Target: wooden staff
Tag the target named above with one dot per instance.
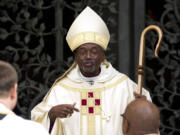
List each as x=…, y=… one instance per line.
x=141, y=53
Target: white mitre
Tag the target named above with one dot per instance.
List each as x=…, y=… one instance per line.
x=88, y=27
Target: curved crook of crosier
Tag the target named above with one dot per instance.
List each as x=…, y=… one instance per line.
x=141, y=52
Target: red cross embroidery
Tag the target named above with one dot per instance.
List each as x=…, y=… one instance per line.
x=84, y=102
x=97, y=102
x=91, y=109
x=90, y=95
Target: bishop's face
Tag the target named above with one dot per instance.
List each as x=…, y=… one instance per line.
x=89, y=57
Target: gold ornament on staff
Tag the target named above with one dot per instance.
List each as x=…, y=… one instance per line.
x=141, y=52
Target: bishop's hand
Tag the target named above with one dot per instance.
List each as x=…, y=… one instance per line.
x=62, y=111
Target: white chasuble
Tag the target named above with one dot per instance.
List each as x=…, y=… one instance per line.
x=101, y=103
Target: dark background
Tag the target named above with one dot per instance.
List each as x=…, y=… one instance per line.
x=32, y=38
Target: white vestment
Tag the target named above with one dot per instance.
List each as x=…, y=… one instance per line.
x=101, y=103
x=12, y=124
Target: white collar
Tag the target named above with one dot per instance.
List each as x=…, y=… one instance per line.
x=88, y=79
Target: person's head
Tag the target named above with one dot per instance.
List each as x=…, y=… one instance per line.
x=8, y=84
x=141, y=117
x=89, y=57
x=88, y=35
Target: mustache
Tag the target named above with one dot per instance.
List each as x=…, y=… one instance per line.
x=88, y=61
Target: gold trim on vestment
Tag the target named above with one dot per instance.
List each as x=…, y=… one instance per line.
x=40, y=119
x=61, y=77
x=97, y=110
x=97, y=89
x=84, y=110
x=88, y=37
x=6, y=113
x=60, y=128
x=81, y=124
x=91, y=124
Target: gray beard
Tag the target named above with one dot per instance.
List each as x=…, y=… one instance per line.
x=89, y=70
